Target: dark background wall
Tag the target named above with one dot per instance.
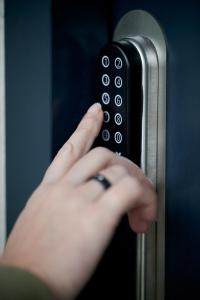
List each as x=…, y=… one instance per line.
x=28, y=99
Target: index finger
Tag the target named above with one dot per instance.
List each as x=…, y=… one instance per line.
x=78, y=144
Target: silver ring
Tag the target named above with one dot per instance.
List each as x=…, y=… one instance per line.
x=102, y=180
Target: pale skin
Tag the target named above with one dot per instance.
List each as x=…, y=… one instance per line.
x=69, y=220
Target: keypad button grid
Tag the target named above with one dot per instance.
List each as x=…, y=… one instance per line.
x=112, y=102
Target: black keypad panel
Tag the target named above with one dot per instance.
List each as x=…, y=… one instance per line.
x=120, y=93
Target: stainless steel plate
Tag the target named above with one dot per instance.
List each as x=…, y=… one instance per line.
x=141, y=29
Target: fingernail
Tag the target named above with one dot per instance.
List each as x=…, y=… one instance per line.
x=95, y=107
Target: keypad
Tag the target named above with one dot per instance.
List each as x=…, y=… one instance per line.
x=113, y=92
x=119, y=92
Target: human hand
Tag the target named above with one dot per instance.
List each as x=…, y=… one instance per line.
x=69, y=220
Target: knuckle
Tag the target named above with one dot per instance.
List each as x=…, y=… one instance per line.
x=69, y=148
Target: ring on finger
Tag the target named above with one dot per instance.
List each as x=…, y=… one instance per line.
x=102, y=180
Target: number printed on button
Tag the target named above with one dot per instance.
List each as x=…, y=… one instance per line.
x=118, y=100
x=105, y=61
x=106, y=116
x=118, y=63
x=118, y=137
x=118, y=82
x=118, y=119
x=105, y=98
x=105, y=80
x=105, y=135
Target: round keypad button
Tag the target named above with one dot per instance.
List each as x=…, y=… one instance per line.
x=106, y=116
x=118, y=119
x=118, y=137
x=118, y=100
x=105, y=135
x=105, y=98
x=118, y=63
x=105, y=61
x=105, y=80
x=118, y=82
